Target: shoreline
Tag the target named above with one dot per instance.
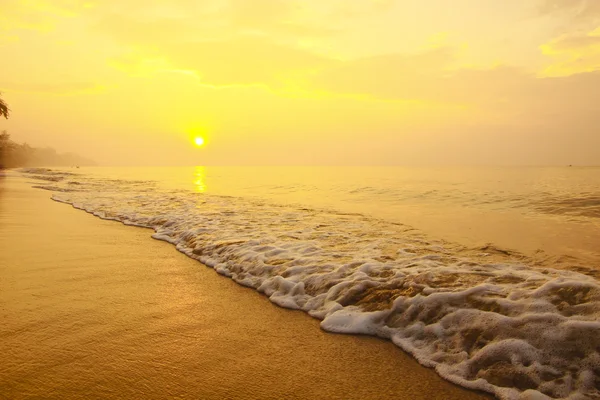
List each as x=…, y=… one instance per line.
x=93, y=308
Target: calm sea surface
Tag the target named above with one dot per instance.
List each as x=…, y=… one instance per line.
x=556, y=210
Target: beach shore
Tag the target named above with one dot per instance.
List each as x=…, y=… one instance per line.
x=95, y=309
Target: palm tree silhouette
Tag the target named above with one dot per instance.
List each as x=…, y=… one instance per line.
x=4, y=110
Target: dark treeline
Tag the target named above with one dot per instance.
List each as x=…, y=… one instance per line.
x=13, y=155
x=4, y=110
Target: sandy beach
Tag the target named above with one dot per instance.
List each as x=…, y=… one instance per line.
x=95, y=309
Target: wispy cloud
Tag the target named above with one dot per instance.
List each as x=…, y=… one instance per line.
x=573, y=54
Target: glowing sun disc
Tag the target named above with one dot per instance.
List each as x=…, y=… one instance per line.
x=199, y=141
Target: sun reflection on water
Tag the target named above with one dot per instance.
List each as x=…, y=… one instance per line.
x=199, y=179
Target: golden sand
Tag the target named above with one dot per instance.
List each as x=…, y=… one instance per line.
x=95, y=309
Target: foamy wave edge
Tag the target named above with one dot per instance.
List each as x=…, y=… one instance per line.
x=537, y=347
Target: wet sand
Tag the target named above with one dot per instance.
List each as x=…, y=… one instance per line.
x=95, y=309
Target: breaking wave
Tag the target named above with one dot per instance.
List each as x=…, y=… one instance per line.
x=484, y=318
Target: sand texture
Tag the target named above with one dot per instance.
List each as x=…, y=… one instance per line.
x=95, y=309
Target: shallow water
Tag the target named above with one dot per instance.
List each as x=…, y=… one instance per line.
x=488, y=275
x=556, y=210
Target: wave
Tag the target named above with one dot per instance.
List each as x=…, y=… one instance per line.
x=586, y=205
x=484, y=318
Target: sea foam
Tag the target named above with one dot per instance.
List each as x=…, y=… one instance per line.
x=485, y=322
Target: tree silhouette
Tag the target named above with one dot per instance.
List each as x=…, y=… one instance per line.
x=4, y=110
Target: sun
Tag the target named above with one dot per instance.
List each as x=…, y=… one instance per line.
x=199, y=141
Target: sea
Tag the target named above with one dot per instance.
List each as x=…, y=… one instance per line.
x=490, y=275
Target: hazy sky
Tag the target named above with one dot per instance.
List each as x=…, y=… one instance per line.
x=305, y=81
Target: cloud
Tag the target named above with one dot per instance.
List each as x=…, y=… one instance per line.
x=40, y=15
x=577, y=48
x=349, y=9
x=573, y=54
x=168, y=43
x=573, y=42
x=242, y=61
x=149, y=32
x=581, y=9
x=301, y=17
x=573, y=16
x=509, y=98
x=223, y=46
x=289, y=20
x=258, y=13
x=388, y=76
x=428, y=76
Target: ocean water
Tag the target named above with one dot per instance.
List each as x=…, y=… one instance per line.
x=488, y=275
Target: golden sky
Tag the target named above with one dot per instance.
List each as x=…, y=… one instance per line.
x=376, y=82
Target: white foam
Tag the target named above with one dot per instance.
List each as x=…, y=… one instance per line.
x=483, y=322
